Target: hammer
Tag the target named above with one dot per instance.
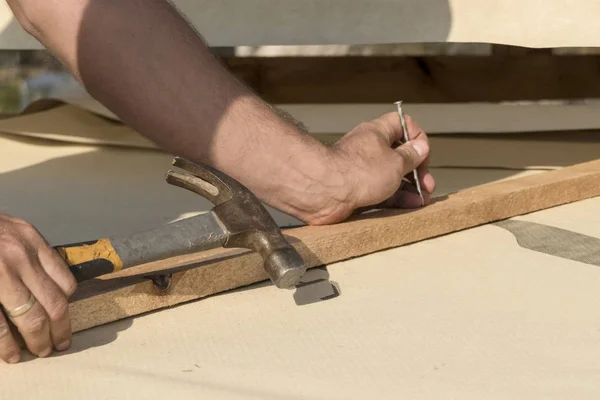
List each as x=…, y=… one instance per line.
x=238, y=220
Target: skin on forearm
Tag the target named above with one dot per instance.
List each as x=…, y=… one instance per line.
x=144, y=62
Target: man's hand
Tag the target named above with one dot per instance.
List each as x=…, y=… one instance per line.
x=158, y=75
x=30, y=267
x=373, y=170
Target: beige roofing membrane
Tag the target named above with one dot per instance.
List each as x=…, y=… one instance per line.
x=484, y=313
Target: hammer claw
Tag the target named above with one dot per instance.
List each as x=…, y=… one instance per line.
x=203, y=180
x=194, y=184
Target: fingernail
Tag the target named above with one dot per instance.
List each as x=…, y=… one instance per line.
x=46, y=352
x=64, y=345
x=14, y=359
x=420, y=147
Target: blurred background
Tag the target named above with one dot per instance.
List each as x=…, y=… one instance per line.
x=27, y=75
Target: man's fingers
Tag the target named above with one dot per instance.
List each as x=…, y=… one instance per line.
x=427, y=181
x=35, y=285
x=412, y=154
x=409, y=200
x=56, y=267
x=406, y=198
x=32, y=323
x=414, y=130
x=58, y=308
x=415, y=155
x=9, y=349
x=416, y=133
x=54, y=302
x=391, y=128
x=51, y=262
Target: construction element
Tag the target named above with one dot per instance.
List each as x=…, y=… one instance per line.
x=238, y=220
x=129, y=292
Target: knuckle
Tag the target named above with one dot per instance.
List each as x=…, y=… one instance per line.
x=17, y=228
x=13, y=248
x=28, y=229
x=369, y=125
x=35, y=325
x=10, y=241
x=408, y=156
x=383, y=127
x=376, y=125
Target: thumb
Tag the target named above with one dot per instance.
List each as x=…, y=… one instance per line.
x=412, y=153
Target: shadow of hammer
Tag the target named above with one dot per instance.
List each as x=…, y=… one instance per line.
x=238, y=220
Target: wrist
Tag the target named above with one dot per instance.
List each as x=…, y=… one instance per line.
x=315, y=187
x=279, y=162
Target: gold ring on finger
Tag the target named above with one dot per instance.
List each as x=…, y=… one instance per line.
x=17, y=311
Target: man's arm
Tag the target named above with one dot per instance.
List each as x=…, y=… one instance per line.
x=143, y=61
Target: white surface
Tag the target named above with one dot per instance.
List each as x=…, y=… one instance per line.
x=467, y=316
x=535, y=23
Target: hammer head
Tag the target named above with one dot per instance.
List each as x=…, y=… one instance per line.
x=248, y=223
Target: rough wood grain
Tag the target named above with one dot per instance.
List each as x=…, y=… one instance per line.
x=128, y=293
x=432, y=79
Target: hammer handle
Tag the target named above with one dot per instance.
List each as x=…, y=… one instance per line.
x=90, y=260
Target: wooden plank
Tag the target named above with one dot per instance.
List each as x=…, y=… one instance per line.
x=432, y=79
x=128, y=293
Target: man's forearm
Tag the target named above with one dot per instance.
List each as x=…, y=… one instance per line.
x=144, y=62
